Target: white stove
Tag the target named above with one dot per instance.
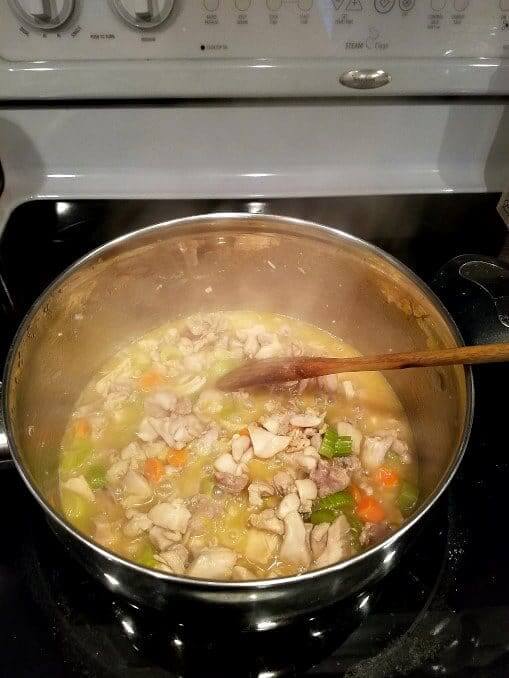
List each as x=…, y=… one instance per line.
x=179, y=99
x=230, y=48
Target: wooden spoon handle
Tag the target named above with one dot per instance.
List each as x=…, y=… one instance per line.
x=279, y=370
x=464, y=355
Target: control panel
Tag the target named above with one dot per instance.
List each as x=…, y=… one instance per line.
x=354, y=39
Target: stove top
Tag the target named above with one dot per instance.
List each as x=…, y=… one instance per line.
x=443, y=611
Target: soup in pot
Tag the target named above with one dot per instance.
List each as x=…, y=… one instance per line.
x=163, y=469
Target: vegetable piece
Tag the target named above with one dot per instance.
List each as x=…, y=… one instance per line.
x=244, y=431
x=141, y=359
x=77, y=509
x=335, y=502
x=328, y=443
x=356, y=524
x=263, y=469
x=170, y=352
x=343, y=446
x=334, y=445
x=76, y=454
x=356, y=493
x=150, y=380
x=145, y=555
x=407, y=497
x=322, y=516
x=207, y=486
x=82, y=428
x=153, y=470
x=370, y=510
x=393, y=458
x=96, y=476
x=386, y=477
x=177, y=458
x=222, y=367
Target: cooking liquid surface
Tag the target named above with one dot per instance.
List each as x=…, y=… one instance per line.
x=162, y=469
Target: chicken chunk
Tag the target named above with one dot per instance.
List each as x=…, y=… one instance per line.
x=294, y=548
x=80, y=486
x=307, y=491
x=330, y=477
x=213, y=563
x=163, y=539
x=258, y=489
x=374, y=450
x=306, y=420
x=319, y=539
x=146, y=432
x=136, y=485
x=338, y=543
x=117, y=471
x=158, y=404
x=288, y=504
x=267, y=520
x=233, y=484
x=240, y=445
x=266, y=444
x=172, y=516
x=284, y=482
x=174, y=560
x=137, y=524
x=225, y=463
x=241, y=573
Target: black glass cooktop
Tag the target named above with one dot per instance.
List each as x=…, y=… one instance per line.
x=444, y=611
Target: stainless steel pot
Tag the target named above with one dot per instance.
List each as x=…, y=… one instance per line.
x=227, y=261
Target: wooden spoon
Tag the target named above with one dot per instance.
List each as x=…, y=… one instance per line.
x=279, y=370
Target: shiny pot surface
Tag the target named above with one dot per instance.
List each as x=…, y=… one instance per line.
x=231, y=261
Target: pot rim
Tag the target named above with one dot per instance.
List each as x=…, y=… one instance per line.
x=259, y=584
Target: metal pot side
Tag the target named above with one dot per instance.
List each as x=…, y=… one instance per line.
x=231, y=261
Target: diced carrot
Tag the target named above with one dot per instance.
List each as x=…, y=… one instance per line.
x=177, y=458
x=150, y=380
x=370, y=510
x=244, y=431
x=386, y=477
x=82, y=428
x=356, y=493
x=153, y=470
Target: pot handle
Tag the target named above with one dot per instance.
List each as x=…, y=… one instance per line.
x=5, y=457
x=475, y=289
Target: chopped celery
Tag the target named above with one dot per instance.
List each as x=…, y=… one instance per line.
x=145, y=555
x=322, y=516
x=334, y=445
x=392, y=458
x=356, y=525
x=123, y=425
x=207, y=485
x=169, y=352
x=407, y=497
x=328, y=443
x=96, y=476
x=77, y=509
x=335, y=502
x=221, y=367
x=141, y=359
x=76, y=454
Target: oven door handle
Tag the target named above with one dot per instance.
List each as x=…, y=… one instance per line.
x=5, y=456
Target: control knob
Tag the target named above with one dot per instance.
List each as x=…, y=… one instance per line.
x=143, y=13
x=44, y=15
